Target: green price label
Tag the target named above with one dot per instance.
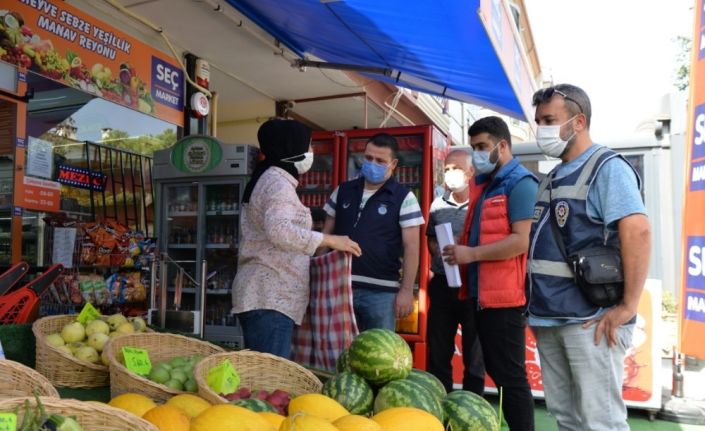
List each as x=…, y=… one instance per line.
x=137, y=360
x=88, y=313
x=223, y=379
x=8, y=422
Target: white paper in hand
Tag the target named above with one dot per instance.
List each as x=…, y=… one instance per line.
x=444, y=236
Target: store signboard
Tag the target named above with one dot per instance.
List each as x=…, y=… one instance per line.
x=40, y=158
x=39, y=195
x=63, y=43
x=81, y=178
x=506, y=40
x=692, y=315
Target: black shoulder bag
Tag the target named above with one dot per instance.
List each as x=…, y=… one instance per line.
x=597, y=270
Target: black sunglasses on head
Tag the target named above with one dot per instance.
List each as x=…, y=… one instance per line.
x=543, y=96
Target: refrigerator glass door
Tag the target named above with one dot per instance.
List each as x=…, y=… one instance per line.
x=221, y=241
x=317, y=184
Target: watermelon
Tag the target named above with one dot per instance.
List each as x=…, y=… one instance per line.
x=428, y=381
x=406, y=393
x=380, y=356
x=467, y=411
x=343, y=362
x=254, y=405
x=350, y=390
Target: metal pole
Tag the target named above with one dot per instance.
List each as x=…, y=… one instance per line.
x=153, y=284
x=162, y=290
x=204, y=271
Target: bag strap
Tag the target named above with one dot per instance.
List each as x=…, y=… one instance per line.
x=554, y=226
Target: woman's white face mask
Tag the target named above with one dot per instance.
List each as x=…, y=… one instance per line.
x=549, y=139
x=304, y=165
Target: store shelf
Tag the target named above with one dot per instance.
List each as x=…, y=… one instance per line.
x=183, y=214
x=182, y=246
x=220, y=246
x=192, y=290
x=223, y=213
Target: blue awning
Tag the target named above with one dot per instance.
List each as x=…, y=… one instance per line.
x=461, y=49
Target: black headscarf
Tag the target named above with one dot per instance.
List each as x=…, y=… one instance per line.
x=279, y=139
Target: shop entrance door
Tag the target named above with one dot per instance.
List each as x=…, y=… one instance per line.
x=13, y=113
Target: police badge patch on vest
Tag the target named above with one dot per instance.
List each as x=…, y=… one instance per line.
x=562, y=211
x=382, y=210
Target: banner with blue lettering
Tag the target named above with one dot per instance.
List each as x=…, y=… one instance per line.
x=692, y=315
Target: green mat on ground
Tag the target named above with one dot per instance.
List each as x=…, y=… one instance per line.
x=18, y=343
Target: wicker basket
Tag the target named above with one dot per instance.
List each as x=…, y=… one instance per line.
x=161, y=347
x=92, y=416
x=258, y=371
x=61, y=368
x=17, y=380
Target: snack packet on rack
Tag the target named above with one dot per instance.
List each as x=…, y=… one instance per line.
x=75, y=291
x=85, y=284
x=101, y=292
x=88, y=252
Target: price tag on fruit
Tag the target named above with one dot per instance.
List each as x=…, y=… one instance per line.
x=88, y=313
x=223, y=379
x=8, y=422
x=137, y=360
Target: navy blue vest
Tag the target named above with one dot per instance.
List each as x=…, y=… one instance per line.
x=376, y=229
x=552, y=289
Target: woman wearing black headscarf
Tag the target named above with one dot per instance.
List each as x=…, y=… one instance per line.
x=271, y=288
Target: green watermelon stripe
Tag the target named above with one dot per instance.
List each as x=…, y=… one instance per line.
x=466, y=411
x=351, y=391
x=406, y=393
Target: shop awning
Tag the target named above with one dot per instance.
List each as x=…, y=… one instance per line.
x=466, y=50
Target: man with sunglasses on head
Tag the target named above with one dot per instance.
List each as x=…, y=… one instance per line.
x=591, y=198
x=494, y=246
x=384, y=218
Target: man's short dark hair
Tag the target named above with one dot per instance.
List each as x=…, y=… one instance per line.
x=576, y=99
x=385, y=140
x=495, y=126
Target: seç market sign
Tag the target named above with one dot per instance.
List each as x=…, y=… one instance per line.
x=63, y=43
x=81, y=178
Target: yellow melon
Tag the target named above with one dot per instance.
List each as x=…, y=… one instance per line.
x=317, y=405
x=136, y=404
x=190, y=404
x=168, y=418
x=356, y=423
x=407, y=419
x=227, y=417
x=304, y=422
x=273, y=418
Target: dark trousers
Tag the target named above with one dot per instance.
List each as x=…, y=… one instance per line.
x=503, y=340
x=445, y=313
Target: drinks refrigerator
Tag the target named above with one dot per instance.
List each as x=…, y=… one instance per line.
x=316, y=185
x=422, y=151
x=199, y=184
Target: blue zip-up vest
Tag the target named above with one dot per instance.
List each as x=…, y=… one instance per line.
x=376, y=229
x=553, y=292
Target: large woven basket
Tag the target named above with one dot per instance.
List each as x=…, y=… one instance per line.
x=257, y=371
x=18, y=380
x=61, y=368
x=161, y=347
x=91, y=416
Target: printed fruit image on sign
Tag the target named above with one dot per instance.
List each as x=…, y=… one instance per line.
x=62, y=43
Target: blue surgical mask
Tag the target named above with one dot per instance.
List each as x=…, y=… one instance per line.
x=481, y=161
x=374, y=173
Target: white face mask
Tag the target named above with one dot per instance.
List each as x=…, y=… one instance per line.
x=455, y=180
x=302, y=166
x=549, y=139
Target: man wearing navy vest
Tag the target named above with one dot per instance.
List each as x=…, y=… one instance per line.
x=384, y=218
x=497, y=236
x=591, y=198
